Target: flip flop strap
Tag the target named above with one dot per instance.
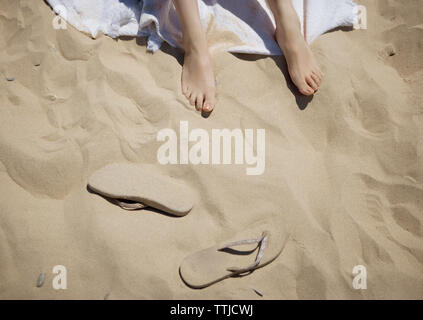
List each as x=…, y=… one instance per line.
x=128, y=206
x=262, y=243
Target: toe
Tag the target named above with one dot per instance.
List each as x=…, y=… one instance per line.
x=305, y=89
x=192, y=99
x=316, y=79
x=187, y=93
x=316, y=76
x=208, y=103
x=199, y=102
x=184, y=90
x=312, y=83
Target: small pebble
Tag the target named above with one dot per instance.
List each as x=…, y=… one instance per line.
x=41, y=279
x=257, y=292
x=390, y=50
x=10, y=79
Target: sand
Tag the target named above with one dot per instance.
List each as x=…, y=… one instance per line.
x=344, y=171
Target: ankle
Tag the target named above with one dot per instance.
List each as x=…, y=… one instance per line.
x=196, y=51
x=289, y=35
x=198, y=46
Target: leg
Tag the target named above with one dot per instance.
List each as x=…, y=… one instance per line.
x=198, y=82
x=303, y=68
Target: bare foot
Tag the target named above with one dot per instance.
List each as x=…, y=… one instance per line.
x=302, y=66
x=198, y=81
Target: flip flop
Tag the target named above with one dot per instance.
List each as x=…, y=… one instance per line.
x=222, y=261
x=134, y=187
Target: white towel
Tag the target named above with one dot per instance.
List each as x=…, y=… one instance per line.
x=243, y=26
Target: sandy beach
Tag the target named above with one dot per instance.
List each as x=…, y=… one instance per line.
x=343, y=170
